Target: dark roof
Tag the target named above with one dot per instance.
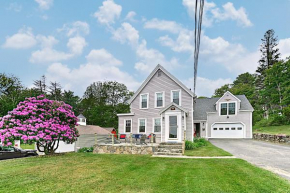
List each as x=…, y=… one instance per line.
x=91, y=129
x=204, y=105
x=81, y=116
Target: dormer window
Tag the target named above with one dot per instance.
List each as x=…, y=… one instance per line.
x=228, y=108
x=232, y=108
x=224, y=108
x=144, y=101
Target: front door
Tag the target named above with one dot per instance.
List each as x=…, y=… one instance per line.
x=173, y=127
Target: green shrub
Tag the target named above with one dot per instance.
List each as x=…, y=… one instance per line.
x=274, y=120
x=86, y=149
x=189, y=145
x=198, y=142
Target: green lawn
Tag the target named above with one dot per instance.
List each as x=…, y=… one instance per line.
x=284, y=129
x=87, y=172
x=27, y=146
x=207, y=151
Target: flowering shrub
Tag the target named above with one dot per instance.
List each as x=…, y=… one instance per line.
x=39, y=120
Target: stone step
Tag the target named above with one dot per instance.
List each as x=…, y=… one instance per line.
x=170, y=146
x=164, y=153
x=166, y=143
x=170, y=151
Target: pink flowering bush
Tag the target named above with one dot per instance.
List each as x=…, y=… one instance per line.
x=39, y=120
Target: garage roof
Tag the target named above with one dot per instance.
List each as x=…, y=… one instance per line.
x=202, y=106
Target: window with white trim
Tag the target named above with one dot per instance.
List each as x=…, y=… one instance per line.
x=159, y=101
x=128, y=126
x=157, y=125
x=175, y=95
x=144, y=101
x=232, y=108
x=142, y=125
x=228, y=108
x=224, y=108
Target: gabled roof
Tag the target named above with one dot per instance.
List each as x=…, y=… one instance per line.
x=92, y=129
x=171, y=105
x=203, y=106
x=159, y=67
x=228, y=92
x=81, y=116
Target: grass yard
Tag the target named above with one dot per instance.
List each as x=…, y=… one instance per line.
x=27, y=146
x=283, y=129
x=87, y=172
x=207, y=151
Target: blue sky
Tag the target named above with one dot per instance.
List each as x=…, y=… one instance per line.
x=79, y=42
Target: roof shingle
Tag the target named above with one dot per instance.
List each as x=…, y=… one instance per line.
x=202, y=106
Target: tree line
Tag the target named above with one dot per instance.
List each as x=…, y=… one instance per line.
x=268, y=89
x=100, y=103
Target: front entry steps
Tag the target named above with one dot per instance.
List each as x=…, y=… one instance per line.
x=171, y=149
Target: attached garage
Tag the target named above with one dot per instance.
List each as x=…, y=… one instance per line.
x=228, y=130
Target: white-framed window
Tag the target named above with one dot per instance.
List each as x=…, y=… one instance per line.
x=142, y=125
x=228, y=108
x=128, y=125
x=144, y=101
x=159, y=99
x=232, y=108
x=156, y=125
x=176, y=97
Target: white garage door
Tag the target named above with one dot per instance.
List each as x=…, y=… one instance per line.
x=227, y=130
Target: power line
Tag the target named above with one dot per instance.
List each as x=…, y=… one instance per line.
x=197, y=32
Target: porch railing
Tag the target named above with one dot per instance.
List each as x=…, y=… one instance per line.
x=127, y=139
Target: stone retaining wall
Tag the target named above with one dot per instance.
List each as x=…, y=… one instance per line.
x=124, y=149
x=280, y=138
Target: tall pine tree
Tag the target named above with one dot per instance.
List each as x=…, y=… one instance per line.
x=270, y=56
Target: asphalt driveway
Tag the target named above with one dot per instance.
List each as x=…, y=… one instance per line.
x=275, y=158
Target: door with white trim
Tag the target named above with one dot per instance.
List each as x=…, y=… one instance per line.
x=173, y=127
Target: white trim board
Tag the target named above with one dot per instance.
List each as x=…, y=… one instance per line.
x=125, y=114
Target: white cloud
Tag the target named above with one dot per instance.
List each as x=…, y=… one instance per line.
x=47, y=54
x=205, y=86
x=190, y=6
x=108, y=12
x=130, y=16
x=97, y=68
x=149, y=58
x=44, y=17
x=284, y=45
x=183, y=43
x=44, y=4
x=24, y=39
x=46, y=41
x=76, y=28
x=102, y=57
x=76, y=45
x=14, y=7
x=213, y=14
x=230, y=12
x=164, y=25
x=234, y=57
x=126, y=33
